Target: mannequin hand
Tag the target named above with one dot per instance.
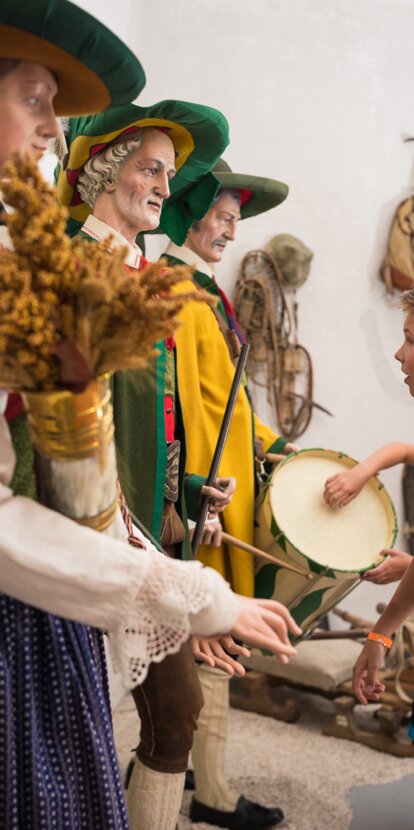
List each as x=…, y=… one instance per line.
x=266, y=623
x=212, y=534
x=392, y=569
x=365, y=683
x=289, y=447
x=275, y=457
x=342, y=488
x=212, y=650
x=221, y=494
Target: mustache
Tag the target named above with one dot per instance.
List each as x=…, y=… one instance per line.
x=221, y=240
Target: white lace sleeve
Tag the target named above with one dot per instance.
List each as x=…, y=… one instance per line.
x=175, y=600
x=148, y=603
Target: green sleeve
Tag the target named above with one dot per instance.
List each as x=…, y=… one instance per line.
x=192, y=492
x=278, y=445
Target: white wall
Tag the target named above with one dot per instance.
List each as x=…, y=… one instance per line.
x=317, y=93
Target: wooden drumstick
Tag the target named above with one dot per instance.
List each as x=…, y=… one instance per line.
x=231, y=540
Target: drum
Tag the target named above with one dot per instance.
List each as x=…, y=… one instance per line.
x=331, y=548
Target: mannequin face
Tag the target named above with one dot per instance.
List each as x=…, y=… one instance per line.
x=405, y=354
x=133, y=202
x=209, y=239
x=27, y=119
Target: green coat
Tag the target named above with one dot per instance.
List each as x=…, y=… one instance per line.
x=138, y=402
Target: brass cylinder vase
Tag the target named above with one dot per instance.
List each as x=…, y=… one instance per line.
x=75, y=454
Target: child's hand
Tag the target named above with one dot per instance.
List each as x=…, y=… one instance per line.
x=342, y=488
x=392, y=569
x=365, y=683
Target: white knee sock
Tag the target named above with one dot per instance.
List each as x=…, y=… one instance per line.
x=209, y=745
x=154, y=798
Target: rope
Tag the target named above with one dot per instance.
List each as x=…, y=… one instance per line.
x=132, y=539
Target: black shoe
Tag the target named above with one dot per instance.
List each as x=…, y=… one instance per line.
x=246, y=816
x=189, y=783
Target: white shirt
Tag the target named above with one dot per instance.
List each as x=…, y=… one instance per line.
x=140, y=597
x=190, y=258
x=100, y=231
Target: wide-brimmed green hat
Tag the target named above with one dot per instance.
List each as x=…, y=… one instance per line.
x=199, y=135
x=257, y=194
x=93, y=68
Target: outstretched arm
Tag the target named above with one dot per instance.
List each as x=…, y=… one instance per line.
x=365, y=676
x=342, y=488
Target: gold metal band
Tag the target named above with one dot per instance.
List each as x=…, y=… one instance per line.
x=102, y=520
x=71, y=426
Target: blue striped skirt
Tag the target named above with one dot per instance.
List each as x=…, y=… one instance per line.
x=58, y=765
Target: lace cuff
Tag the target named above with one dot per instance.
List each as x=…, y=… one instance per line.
x=167, y=609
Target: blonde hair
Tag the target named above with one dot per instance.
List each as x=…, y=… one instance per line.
x=103, y=168
x=407, y=301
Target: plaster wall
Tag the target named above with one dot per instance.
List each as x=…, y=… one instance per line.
x=318, y=94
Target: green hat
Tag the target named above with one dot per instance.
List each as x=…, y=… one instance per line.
x=257, y=194
x=199, y=135
x=93, y=68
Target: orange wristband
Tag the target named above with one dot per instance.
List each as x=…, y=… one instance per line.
x=380, y=638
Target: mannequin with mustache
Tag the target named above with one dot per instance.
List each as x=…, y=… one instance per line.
x=203, y=355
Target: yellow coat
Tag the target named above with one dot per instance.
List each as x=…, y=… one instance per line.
x=205, y=373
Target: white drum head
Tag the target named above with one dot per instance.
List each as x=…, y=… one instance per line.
x=347, y=539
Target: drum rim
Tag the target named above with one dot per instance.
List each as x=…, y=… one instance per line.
x=381, y=488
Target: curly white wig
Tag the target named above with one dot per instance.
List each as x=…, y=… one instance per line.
x=103, y=168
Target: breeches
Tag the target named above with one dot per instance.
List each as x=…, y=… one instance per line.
x=168, y=703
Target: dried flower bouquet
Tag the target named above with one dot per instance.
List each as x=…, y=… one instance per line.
x=70, y=314
x=68, y=311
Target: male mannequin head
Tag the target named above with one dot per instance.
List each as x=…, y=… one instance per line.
x=126, y=184
x=209, y=237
